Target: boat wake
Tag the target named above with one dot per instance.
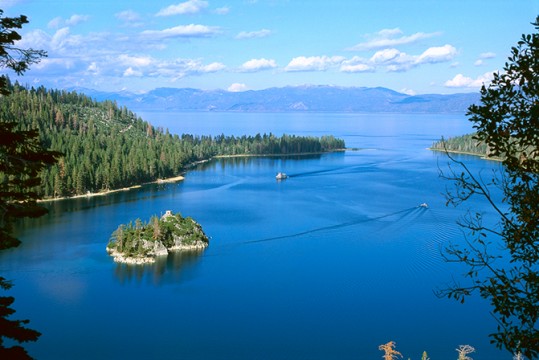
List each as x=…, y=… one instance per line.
x=400, y=214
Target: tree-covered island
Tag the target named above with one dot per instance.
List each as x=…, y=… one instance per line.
x=141, y=243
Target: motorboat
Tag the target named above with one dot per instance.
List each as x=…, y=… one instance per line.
x=281, y=176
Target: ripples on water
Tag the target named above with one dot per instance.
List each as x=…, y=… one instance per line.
x=328, y=264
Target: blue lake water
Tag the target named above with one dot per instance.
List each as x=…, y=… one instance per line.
x=328, y=264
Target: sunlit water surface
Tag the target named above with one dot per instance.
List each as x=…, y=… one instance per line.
x=328, y=264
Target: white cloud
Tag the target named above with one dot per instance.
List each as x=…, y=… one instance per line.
x=408, y=92
x=138, y=61
x=258, y=65
x=356, y=68
x=181, y=31
x=484, y=56
x=389, y=56
x=390, y=38
x=62, y=40
x=36, y=39
x=461, y=81
x=313, y=63
x=128, y=16
x=237, y=87
x=75, y=19
x=253, y=34
x=130, y=72
x=213, y=67
x=487, y=55
x=188, y=7
x=55, y=23
x=93, y=68
x=437, y=54
x=356, y=64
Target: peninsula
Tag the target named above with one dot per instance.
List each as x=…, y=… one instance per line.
x=140, y=243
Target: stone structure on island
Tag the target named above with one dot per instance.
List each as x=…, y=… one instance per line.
x=141, y=243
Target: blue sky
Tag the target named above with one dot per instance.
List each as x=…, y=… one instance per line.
x=416, y=46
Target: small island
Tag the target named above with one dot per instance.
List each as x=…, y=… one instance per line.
x=141, y=243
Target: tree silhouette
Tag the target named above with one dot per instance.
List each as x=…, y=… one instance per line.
x=13, y=329
x=22, y=157
x=503, y=259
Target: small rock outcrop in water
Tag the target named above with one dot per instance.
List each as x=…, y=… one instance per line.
x=141, y=243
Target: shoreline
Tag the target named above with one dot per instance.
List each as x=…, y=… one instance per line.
x=280, y=155
x=108, y=192
x=181, y=177
x=482, y=156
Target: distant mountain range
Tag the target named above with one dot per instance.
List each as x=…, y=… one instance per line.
x=287, y=99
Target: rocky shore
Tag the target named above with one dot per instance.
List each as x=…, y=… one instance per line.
x=140, y=244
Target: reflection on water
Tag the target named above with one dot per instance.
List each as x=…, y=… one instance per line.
x=178, y=266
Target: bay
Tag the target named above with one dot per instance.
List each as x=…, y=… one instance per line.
x=328, y=264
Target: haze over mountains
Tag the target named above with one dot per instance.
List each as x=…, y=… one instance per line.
x=297, y=98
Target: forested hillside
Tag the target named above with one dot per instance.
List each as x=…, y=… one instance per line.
x=109, y=147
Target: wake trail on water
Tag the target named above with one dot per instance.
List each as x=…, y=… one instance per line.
x=401, y=213
x=345, y=169
x=317, y=172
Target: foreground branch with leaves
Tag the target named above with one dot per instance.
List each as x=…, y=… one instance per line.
x=22, y=158
x=503, y=258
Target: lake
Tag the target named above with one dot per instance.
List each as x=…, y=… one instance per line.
x=328, y=264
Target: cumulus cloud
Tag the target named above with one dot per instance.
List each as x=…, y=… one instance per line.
x=258, y=65
x=356, y=68
x=390, y=56
x=437, y=54
x=356, y=64
x=253, y=34
x=188, y=7
x=390, y=38
x=461, y=81
x=138, y=66
x=62, y=40
x=313, y=63
x=394, y=60
x=181, y=31
x=237, y=87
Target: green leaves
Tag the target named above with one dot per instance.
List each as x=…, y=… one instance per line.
x=507, y=121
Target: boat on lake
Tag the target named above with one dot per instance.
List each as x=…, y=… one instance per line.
x=281, y=176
